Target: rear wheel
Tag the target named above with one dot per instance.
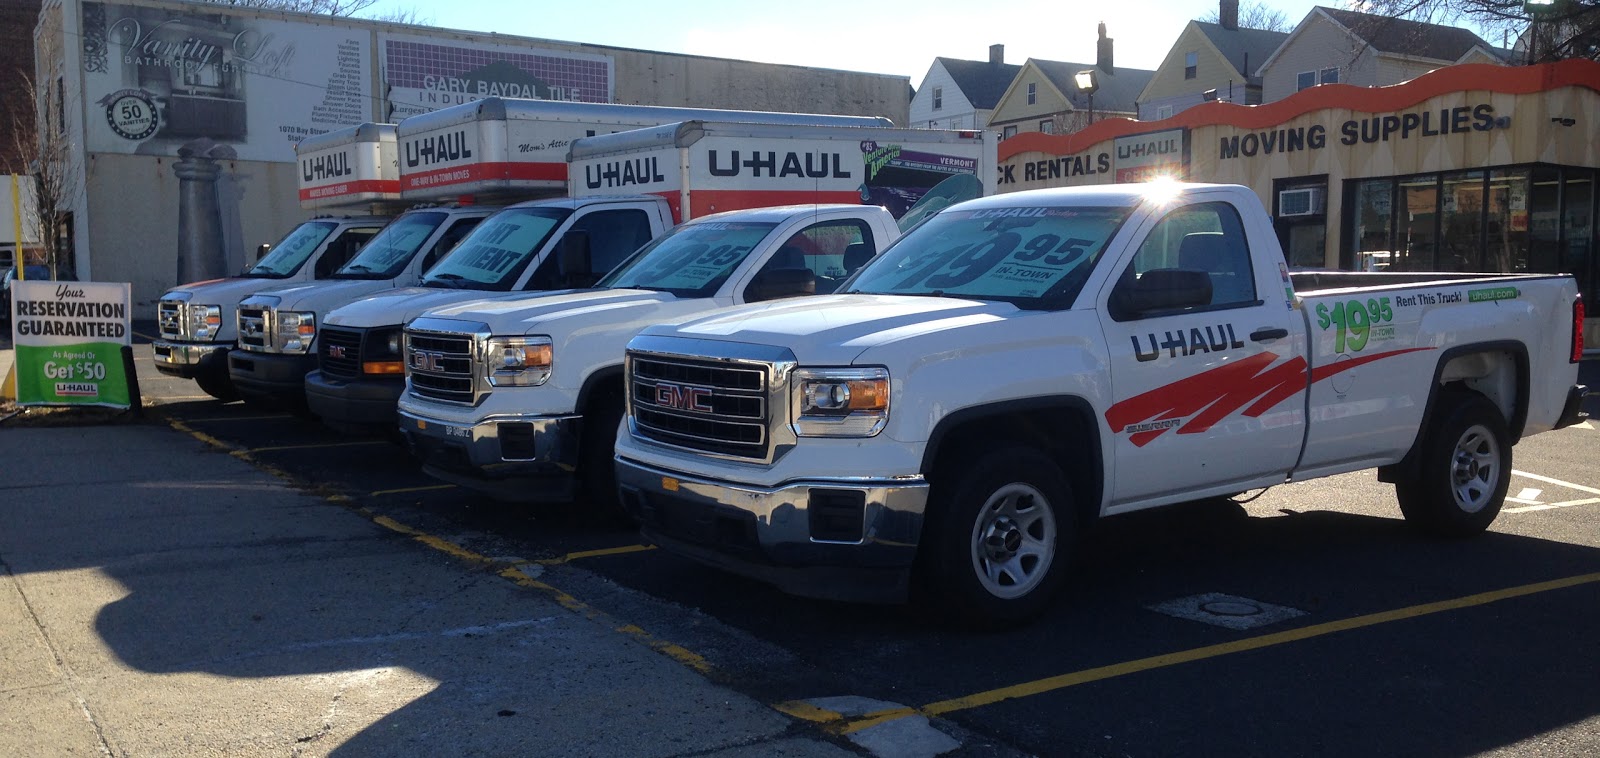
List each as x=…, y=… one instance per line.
x=998, y=537
x=1460, y=481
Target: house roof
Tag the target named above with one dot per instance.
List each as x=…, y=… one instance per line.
x=1246, y=49
x=1415, y=38
x=981, y=81
x=1119, y=90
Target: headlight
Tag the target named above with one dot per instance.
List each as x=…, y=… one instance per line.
x=204, y=322
x=386, y=357
x=294, y=330
x=517, y=361
x=840, y=402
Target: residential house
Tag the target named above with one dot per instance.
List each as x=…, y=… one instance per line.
x=1332, y=45
x=1046, y=97
x=1210, y=61
x=961, y=94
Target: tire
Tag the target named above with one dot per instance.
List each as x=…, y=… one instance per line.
x=219, y=387
x=999, y=534
x=597, y=468
x=1460, y=482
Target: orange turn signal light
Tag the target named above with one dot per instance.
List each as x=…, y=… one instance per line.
x=383, y=367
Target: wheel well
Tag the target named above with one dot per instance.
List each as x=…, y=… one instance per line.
x=1063, y=430
x=1496, y=370
x=601, y=386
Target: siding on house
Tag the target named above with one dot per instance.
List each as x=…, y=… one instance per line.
x=1319, y=44
x=956, y=111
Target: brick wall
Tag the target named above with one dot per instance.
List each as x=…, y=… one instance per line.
x=17, y=18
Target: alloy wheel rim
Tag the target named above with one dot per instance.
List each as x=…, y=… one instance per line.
x=1475, y=469
x=1013, y=541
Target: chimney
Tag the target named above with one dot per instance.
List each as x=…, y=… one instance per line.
x=997, y=53
x=1103, y=50
x=1228, y=14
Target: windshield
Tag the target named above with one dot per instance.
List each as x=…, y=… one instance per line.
x=692, y=260
x=496, y=253
x=1031, y=257
x=291, y=253
x=384, y=256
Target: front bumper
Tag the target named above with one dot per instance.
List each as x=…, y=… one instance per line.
x=846, y=539
x=190, y=359
x=270, y=374
x=511, y=457
x=354, y=402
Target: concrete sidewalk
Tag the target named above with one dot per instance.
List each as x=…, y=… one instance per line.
x=159, y=597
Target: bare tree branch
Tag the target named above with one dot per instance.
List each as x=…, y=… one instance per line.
x=1254, y=16
x=1569, y=29
x=323, y=7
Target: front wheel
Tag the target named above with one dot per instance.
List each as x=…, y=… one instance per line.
x=998, y=537
x=1460, y=482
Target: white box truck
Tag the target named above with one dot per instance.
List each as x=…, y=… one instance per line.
x=352, y=171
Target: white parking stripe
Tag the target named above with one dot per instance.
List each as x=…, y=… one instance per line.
x=1548, y=480
x=1567, y=504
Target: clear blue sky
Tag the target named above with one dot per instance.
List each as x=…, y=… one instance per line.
x=881, y=37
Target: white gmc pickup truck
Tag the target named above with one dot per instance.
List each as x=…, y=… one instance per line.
x=521, y=396
x=1018, y=366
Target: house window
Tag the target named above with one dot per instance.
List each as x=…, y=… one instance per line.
x=938, y=98
x=1009, y=132
x=1163, y=111
x=1328, y=76
x=1306, y=80
x=1033, y=93
x=933, y=125
x=1047, y=126
x=1191, y=65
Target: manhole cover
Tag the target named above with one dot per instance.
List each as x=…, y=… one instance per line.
x=1231, y=608
x=1228, y=611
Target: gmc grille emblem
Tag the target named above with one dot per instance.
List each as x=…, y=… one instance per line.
x=426, y=360
x=683, y=397
x=336, y=351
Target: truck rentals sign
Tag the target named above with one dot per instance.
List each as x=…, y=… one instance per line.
x=69, y=338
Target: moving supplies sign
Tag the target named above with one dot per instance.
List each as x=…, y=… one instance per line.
x=69, y=338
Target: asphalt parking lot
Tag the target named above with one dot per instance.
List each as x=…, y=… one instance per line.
x=1307, y=621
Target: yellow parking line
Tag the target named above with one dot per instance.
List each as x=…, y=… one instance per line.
x=146, y=336
x=1063, y=681
x=315, y=446
x=1548, y=480
x=237, y=418
x=580, y=555
x=404, y=490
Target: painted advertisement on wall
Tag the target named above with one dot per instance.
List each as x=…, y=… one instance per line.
x=156, y=79
x=423, y=74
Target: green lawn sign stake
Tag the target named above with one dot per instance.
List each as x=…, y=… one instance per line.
x=69, y=338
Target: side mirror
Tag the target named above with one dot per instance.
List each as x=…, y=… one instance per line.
x=573, y=257
x=261, y=252
x=1162, y=289
x=782, y=282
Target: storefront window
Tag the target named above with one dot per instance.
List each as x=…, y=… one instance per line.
x=1418, y=223
x=1577, y=228
x=1507, y=229
x=1374, y=225
x=1461, y=223
x=1544, y=207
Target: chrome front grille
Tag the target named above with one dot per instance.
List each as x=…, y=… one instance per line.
x=440, y=366
x=254, y=328
x=339, y=352
x=169, y=319
x=701, y=404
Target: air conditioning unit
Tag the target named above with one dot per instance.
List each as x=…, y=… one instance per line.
x=1306, y=201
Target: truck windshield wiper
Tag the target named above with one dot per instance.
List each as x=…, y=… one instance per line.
x=452, y=281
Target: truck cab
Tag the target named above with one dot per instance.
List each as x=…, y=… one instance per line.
x=358, y=375
x=278, y=325
x=197, y=322
x=520, y=396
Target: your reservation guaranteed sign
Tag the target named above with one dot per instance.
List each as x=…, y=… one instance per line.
x=69, y=338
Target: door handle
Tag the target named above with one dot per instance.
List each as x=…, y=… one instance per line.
x=1268, y=333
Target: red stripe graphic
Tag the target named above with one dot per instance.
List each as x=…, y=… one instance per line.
x=1211, y=396
x=375, y=186
x=478, y=172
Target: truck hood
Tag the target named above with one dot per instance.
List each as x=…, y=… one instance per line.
x=397, y=306
x=835, y=330
x=325, y=295
x=224, y=292
x=573, y=315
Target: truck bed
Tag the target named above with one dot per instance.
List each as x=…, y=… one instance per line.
x=1306, y=282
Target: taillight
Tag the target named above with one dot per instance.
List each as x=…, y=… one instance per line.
x=1577, y=329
